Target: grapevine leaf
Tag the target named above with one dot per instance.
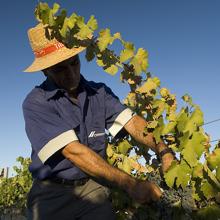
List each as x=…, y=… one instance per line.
x=198, y=140
x=104, y=39
x=100, y=62
x=140, y=61
x=109, y=150
x=158, y=130
x=171, y=174
x=72, y=20
x=92, y=23
x=214, y=159
x=128, y=52
x=84, y=31
x=117, y=36
x=157, y=81
x=124, y=147
x=184, y=174
x=208, y=190
x=164, y=92
x=169, y=128
x=147, y=87
x=130, y=100
x=113, y=69
x=197, y=117
x=160, y=105
x=55, y=8
x=189, y=154
x=198, y=171
x=63, y=30
x=125, y=165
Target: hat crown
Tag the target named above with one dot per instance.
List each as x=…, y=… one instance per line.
x=37, y=38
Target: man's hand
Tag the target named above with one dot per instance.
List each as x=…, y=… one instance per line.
x=144, y=191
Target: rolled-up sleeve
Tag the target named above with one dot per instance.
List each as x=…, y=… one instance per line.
x=117, y=114
x=45, y=129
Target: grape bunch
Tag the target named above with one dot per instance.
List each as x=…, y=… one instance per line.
x=172, y=199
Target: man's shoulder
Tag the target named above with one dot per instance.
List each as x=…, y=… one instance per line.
x=36, y=95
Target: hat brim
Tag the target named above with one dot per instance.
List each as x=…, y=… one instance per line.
x=53, y=58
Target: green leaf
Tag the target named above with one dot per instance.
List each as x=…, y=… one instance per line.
x=158, y=130
x=193, y=149
x=63, y=30
x=104, y=39
x=208, y=190
x=197, y=116
x=169, y=128
x=72, y=20
x=184, y=174
x=171, y=174
x=55, y=8
x=124, y=147
x=113, y=69
x=214, y=159
x=92, y=23
x=128, y=52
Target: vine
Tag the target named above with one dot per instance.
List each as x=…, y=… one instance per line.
x=13, y=190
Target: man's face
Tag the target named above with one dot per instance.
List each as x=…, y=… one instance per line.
x=66, y=74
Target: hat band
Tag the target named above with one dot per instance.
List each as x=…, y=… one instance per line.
x=48, y=50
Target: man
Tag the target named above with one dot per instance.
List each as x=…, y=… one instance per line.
x=66, y=117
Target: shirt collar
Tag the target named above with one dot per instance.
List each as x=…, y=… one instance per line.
x=51, y=89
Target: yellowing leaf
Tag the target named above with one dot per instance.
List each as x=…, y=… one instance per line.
x=147, y=87
x=124, y=147
x=113, y=69
x=198, y=171
x=214, y=159
x=128, y=52
x=104, y=39
x=92, y=23
x=140, y=61
x=131, y=99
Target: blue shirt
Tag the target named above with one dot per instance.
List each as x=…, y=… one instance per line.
x=52, y=121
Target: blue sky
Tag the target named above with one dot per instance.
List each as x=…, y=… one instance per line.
x=182, y=38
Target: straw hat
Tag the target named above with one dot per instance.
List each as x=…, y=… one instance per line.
x=47, y=52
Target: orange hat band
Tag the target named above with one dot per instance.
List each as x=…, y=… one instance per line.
x=48, y=50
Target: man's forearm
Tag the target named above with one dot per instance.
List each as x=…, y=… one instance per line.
x=135, y=127
x=94, y=165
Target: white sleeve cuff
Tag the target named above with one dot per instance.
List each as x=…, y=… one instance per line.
x=56, y=144
x=120, y=121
